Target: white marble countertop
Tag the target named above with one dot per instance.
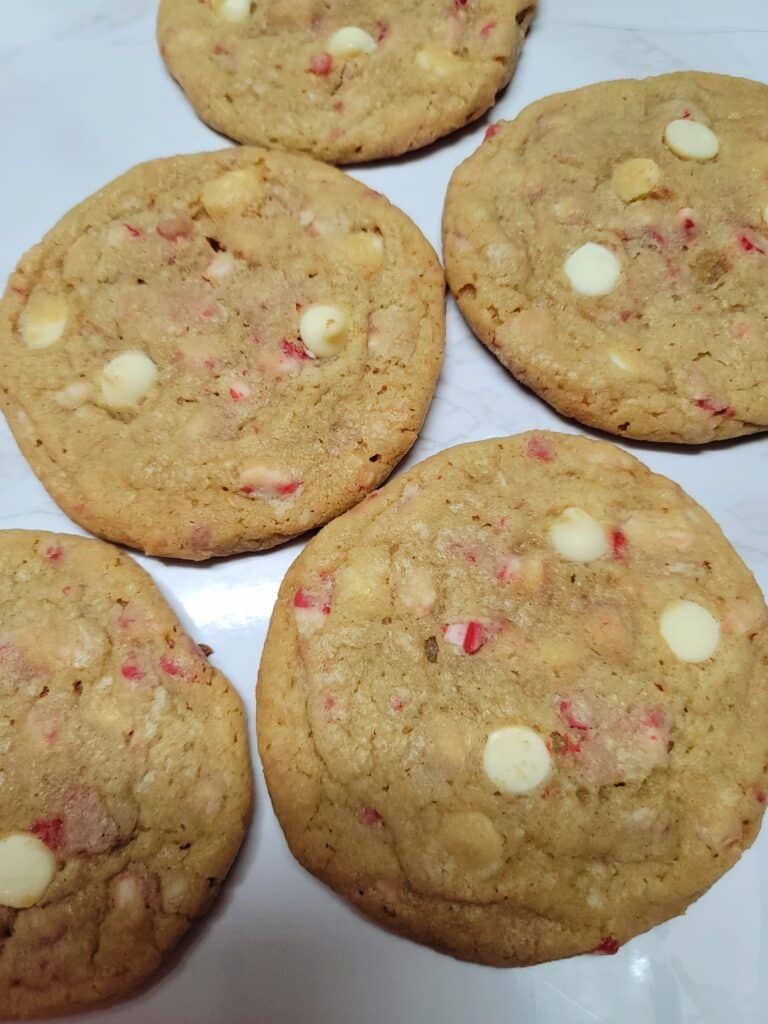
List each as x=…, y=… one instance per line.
x=83, y=96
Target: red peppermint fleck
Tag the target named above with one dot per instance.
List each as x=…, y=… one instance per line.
x=659, y=239
x=541, y=449
x=618, y=544
x=760, y=795
x=171, y=667
x=689, y=224
x=474, y=638
x=487, y=28
x=369, y=816
x=571, y=720
x=50, y=832
x=337, y=107
x=329, y=703
x=219, y=50
x=135, y=232
x=460, y=4
x=396, y=703
x=54, y=552
x=236, y=395
x=321, y=64
x=131, y=671
x=382, y=31
x=608, y=946
x=749, y=246
x=303, y=599
x=685, y=114
x=19, y=291
x=654, y=719
x=293, y=351
x=726, y=411
x=288, y=488
x=66, y=590
x=207, y=313
x=492, y=129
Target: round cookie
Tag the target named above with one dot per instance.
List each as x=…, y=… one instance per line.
x=345, y=81
x=218, y=352
x=610, y=247
x=514, y=705
x=125, y=775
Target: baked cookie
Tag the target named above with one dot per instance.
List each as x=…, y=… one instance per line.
x=610, y=247
x=217, y=352
x=347, y=80
x=126, y=781
x=514, y=705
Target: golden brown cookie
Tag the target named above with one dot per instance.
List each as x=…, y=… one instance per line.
x=514, y=705
x=345, y=81
x=125, y=784
x=610, y=247
x=218, y=352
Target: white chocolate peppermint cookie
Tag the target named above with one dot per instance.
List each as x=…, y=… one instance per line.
x=610, y=247
x=346, y=80
x=125, y=776
x=218, y=352
x=520, y=694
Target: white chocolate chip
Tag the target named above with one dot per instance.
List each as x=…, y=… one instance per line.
x=231, y=191
x=27, y=868
x=691, y=140
x=438, y=61
x=592, y=270
x=350, y=41
x=236, y=11
x=127, y=378
x=577, y=536
x=44, y=320
x=323, y=329
x=516, y=759
x=634, y=179
x=692, y=633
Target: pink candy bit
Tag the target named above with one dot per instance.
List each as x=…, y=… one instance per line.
x=382, y=31
x=726, y=411
x=369, y=816
x=469, y=636
x=396, y=704
x=487, y=28
x=134, y=232
x=53, y=552
x=685, y=114
x=50, y=832
x=492, y=129
x=171, y=667
x=288, y=488
x=293, y=351
x=659, y=239
x=236, y=393
x=174, y=228
x=760, y=795
x=304, y=599
x=329, y=703
x=321, y=64
x=608, y=946
x=618, y=544
x=460, y=4
x=131, y=671
x=571, y=719
x=748, y=245
x=541, y=449
x=687, y=220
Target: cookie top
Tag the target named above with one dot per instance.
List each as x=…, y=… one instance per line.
x=218, y=352
x=514, y=705
x=125, y=776
x=610, y=247
x=347, y=80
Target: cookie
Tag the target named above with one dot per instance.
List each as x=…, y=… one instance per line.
x=514, y=705
x=610, y=247
x=345, y=81
x=218, y=352
x=126, y=782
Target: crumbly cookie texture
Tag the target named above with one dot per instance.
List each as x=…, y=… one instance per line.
x=514, y=705
x=610, y=247
x=347, y=80
x=218, y=352
x=125, y=776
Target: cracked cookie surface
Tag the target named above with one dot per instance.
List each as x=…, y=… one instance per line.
x=344, y=80
x=514, y=704
x=126, y=783
x=610, y=247
x=188, y=353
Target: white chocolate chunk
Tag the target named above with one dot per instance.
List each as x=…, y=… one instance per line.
x=417, y=591
x=44, y=320
x=692, y=633
x=516, y=759
x=577, y=537
x=438, y=61
x=620, y=361
x=592, y=270
x=323, y=329
x=127, y=378
x=258, y=480
x=74, y=395
x=365, y=249
x=765, y=214
x=634, y=179
x=236, y=11
x=230, y=191
x=691, y=140
x=221, y=266
x=350, y=41
x=27, y=868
